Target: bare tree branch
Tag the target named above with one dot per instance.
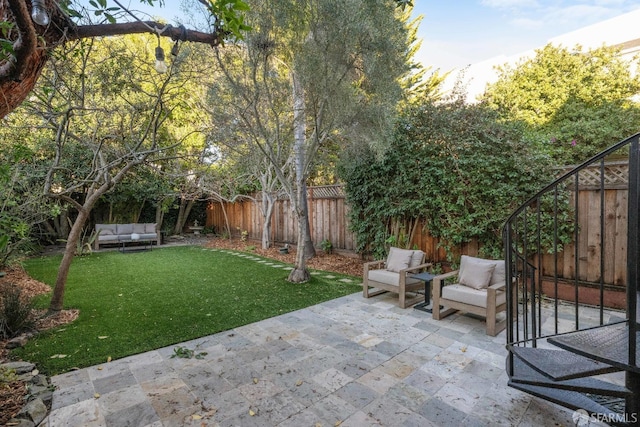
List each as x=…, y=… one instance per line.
x=152, y=27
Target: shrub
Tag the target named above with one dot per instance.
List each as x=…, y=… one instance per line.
x=454, y=169
x=326, y=246
x=16, y=312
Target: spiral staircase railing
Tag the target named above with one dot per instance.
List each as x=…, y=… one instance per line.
x=557, y=349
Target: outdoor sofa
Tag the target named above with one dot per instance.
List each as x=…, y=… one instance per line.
x=125, y=233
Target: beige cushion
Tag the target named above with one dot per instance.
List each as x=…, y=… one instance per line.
x=150, y=228
x=499, y=275
x=398, y=259
x=416, y=258
x=475, y=272
x=467, y=295
x=390, y=278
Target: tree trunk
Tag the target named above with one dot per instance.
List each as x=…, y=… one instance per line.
x=267, y=212
x=226, y=218
x=65, y=229
x=309, y=249
x=183, y=214
x=159, y=219
x=57, y=298
x=159, y=215
x=187, y=211
x=299, y=274
x=138, y=213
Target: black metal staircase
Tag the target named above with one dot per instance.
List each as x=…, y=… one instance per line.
x=579, y=354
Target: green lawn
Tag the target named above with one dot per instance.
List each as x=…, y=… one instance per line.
x=135, y=302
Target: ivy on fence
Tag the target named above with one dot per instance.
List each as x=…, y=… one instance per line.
x=455, y=167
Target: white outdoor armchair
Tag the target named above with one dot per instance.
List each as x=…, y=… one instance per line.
x=394, y=275
x=480, y=289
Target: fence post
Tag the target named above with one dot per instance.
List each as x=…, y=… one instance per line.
x=632, y=379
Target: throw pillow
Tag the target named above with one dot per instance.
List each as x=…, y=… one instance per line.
x=398, y=259
x=416, y=258
x=499, y=274
x=475, y=272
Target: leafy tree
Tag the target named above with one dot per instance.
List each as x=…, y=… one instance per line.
x=574, y=103
x=22, y=205
x=97, y=126
x=26, y=45
x=311, y=74
x=452, y=168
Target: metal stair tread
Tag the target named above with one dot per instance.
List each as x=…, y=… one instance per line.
x=523, y=373
x=561, y=364
x=607, y=344
x=569, y=399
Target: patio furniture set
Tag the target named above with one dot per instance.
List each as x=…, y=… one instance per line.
x=478, y=286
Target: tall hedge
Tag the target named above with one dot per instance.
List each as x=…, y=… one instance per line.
x=453, y=167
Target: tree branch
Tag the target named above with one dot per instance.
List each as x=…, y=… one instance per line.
x=18, y=75
x=152, y=27
x=25, y=45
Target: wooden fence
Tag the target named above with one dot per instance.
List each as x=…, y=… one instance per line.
x=328, y=213
x=590, y=269
x=328, y=218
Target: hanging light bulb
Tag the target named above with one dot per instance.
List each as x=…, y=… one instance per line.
x=161, y=66
x=39, y=13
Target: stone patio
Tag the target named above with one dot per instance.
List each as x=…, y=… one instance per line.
x=348, y=362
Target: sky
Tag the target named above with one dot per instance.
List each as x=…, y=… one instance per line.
x=457, y=33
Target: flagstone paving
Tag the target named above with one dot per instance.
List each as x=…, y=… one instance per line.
x=349, y=362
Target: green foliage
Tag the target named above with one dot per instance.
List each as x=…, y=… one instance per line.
x=187, y=353
x=140, y=301
x=15, y=312
x=326, y=246
x=230, y=16
x=574, y=103
x=404, y=3
x=21, y=204
x=84, y=245
x=6, y=45
x=123, y=111
x=7, y=375
x=453, y=169
x=101, y=9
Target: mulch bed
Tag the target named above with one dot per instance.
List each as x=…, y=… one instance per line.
x=339, y=262
x=13, y=393
x=12, y=396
